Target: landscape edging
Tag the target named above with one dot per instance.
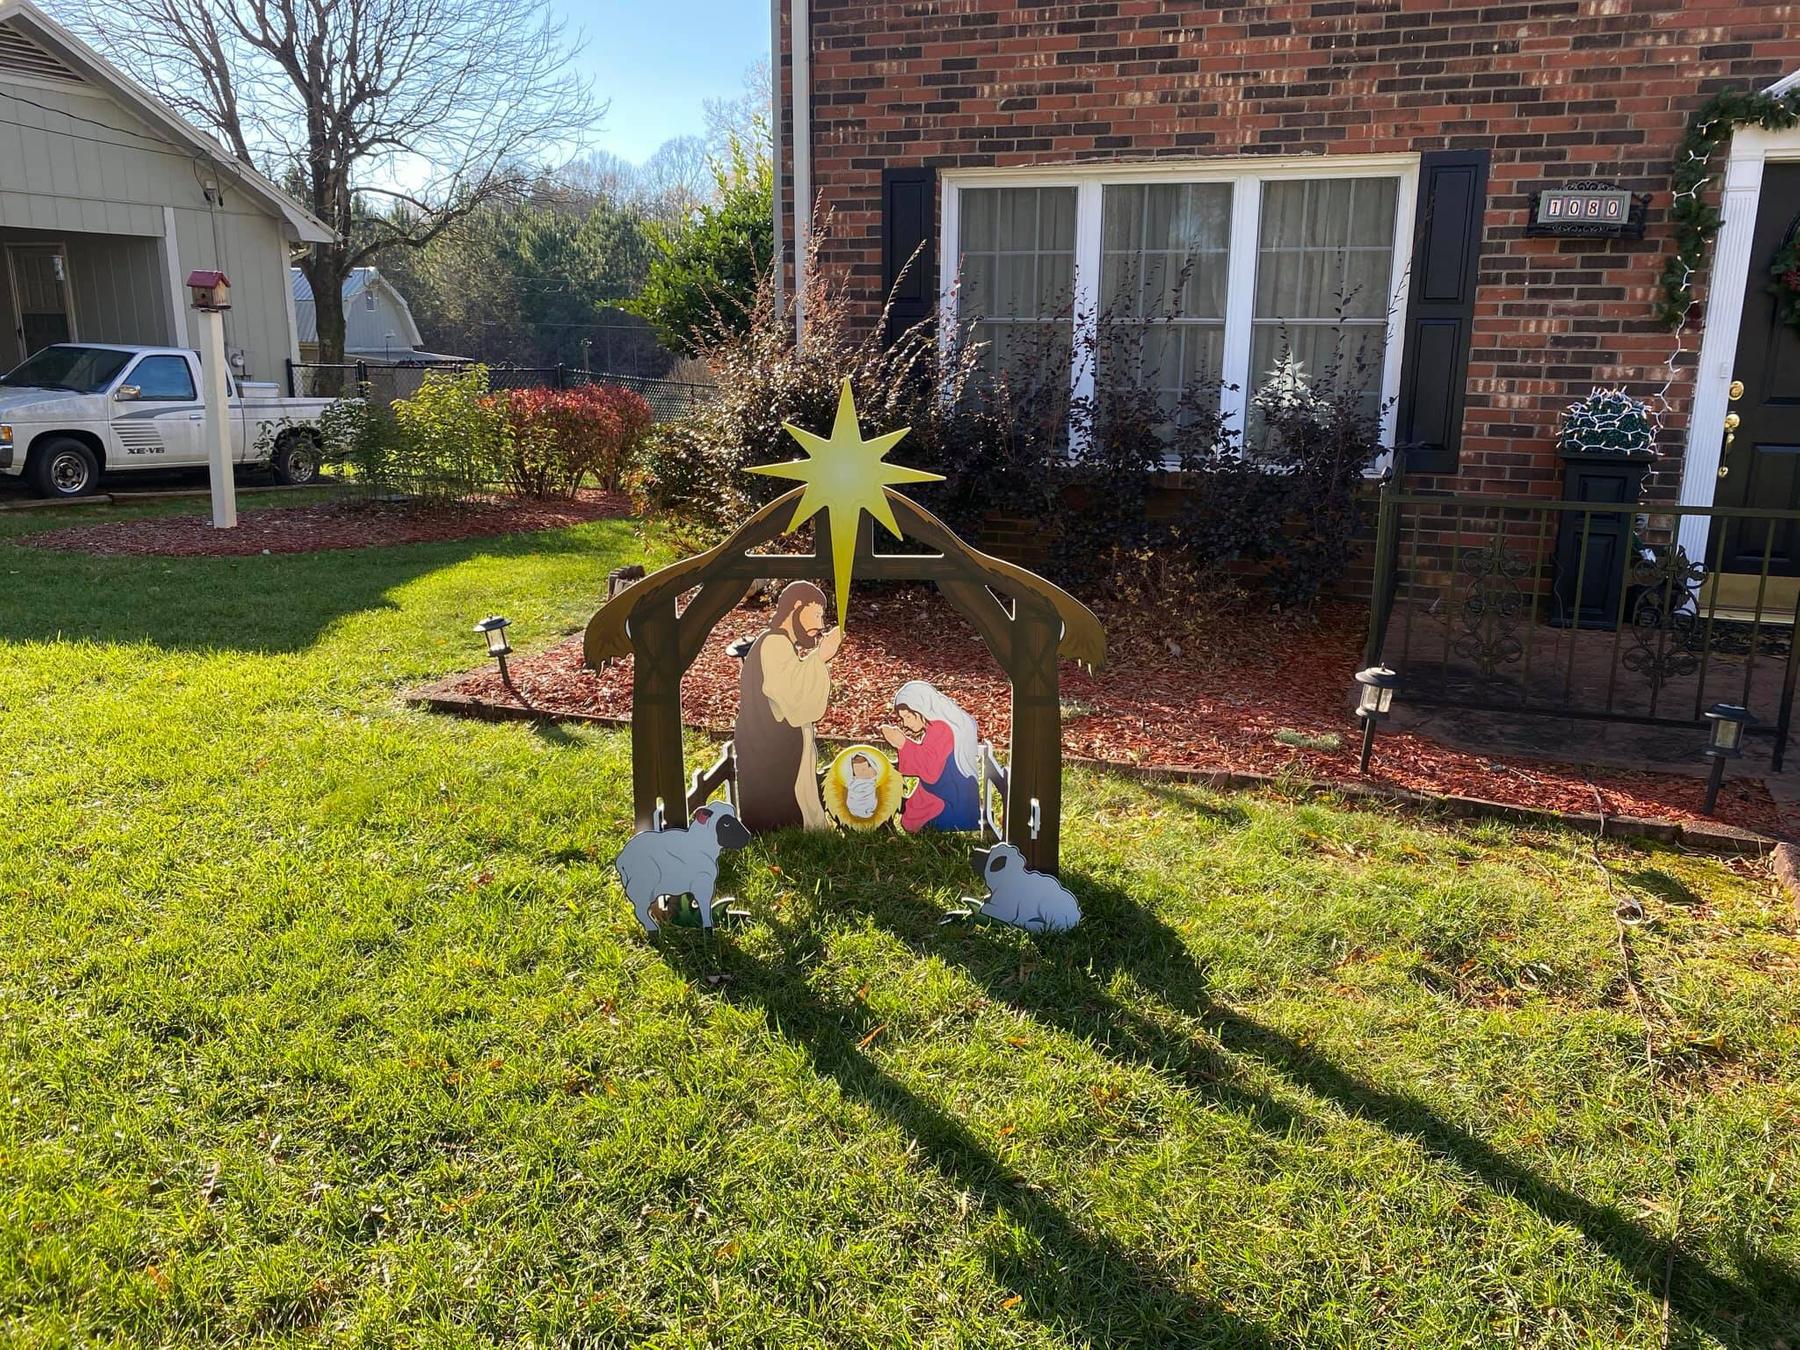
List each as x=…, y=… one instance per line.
x=1710, y=837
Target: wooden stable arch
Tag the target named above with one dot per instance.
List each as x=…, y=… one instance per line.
x=1027, y=623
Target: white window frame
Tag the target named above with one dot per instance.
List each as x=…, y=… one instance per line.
x=1246, y=174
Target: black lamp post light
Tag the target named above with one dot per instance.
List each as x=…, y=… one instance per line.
x=493, y=628
x=1724, y=740
x=1374, y=700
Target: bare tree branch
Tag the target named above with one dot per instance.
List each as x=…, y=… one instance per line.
x=439, y=106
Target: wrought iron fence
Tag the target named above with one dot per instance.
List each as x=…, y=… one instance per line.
x=1647, y=614
x=668, y=399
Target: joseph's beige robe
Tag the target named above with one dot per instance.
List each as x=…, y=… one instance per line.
x=799, y=690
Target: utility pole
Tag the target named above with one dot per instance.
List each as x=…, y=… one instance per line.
x=211, y=297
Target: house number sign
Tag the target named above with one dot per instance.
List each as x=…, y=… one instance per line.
x=1592, y=209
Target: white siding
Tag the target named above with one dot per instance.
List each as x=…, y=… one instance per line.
x=63, y=175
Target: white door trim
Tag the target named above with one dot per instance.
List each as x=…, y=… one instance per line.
x=1751, y=148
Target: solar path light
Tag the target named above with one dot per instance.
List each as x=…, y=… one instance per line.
x=493, y=628
x=1724, y=740
x=1374, y=700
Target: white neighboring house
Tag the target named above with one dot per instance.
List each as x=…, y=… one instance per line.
x=378, y=323
x=108, y=200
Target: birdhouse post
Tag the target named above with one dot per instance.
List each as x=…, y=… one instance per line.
x=211, y=297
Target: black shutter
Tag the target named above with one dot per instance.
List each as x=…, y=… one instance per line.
x=908, y=247
x=1440, y=309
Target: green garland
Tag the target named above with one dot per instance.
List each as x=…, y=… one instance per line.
x=1695, y=220
x=1784, y=282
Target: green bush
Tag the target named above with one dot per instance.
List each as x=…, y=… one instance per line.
x=703, y=275
x=454, y=441
x=358, y=434
x=450, y=441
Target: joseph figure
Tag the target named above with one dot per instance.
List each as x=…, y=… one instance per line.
x=783, y=690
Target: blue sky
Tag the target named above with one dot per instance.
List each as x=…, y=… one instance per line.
x=657, y=60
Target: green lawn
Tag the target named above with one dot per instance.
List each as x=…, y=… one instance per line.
x=325, y=1022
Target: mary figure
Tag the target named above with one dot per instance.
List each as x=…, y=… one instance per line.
x=936, y=743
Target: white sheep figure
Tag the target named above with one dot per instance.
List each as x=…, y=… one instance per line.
x=1034, y=901
x=672, y=863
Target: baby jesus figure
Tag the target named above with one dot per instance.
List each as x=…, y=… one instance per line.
x=862, y=788
x=861, y=796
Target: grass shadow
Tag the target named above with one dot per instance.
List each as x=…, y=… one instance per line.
x=1118, y=935
x=269, y=603
x=1077, y=1282
x=1197, y=797
x=1656, y=882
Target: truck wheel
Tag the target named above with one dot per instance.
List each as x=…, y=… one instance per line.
x=296, y=459
x=64, y=468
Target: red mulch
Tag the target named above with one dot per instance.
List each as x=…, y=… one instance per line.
x=332, y=525
x=1211, y=699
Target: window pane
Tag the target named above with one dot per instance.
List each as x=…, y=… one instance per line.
x=1366, y=278
x=1283, y=214
x=1160, y=235
x=1016, y=294
x=1017, y=280
x=1056, y=283
x=977, y=221
x=1165, y=268
x=1324, y=267
x=163, y=377
x=977, y=295
x=1122, y=221
x=1372, y=217
x=1056, y=219
x=1119, y=291
x=1018, y=220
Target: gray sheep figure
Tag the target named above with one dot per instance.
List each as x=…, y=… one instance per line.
x=674, y=863
x=1034, y=901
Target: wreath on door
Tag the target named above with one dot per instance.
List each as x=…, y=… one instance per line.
x=1784, y=278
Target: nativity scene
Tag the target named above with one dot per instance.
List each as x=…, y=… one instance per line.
x=769, y=773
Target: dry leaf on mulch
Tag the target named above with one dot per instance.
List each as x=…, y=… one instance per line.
x=1219, y=705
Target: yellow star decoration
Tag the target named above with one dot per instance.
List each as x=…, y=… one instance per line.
x=845, y=476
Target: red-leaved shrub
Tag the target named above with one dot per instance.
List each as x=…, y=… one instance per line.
x=562, y=437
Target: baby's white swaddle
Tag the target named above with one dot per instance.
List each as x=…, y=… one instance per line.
x=860, y=795
x=862, y=798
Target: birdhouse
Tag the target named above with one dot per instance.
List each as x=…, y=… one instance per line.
x=209, y=290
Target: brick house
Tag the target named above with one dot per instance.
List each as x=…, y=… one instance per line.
x=1298, y=153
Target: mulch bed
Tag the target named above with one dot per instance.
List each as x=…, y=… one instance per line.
x=1212, y=697
x=331, y=525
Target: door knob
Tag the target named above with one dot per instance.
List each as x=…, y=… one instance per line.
x=1732, y=422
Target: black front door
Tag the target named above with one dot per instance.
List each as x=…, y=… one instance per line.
x=1760, y=464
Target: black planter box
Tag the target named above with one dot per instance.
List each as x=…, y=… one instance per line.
x=1611, y=479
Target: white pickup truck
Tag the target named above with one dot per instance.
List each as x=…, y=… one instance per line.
x=78, y=409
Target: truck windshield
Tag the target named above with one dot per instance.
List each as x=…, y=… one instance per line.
x=81, y=370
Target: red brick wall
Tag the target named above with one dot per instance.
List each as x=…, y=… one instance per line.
x=1557, y=90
